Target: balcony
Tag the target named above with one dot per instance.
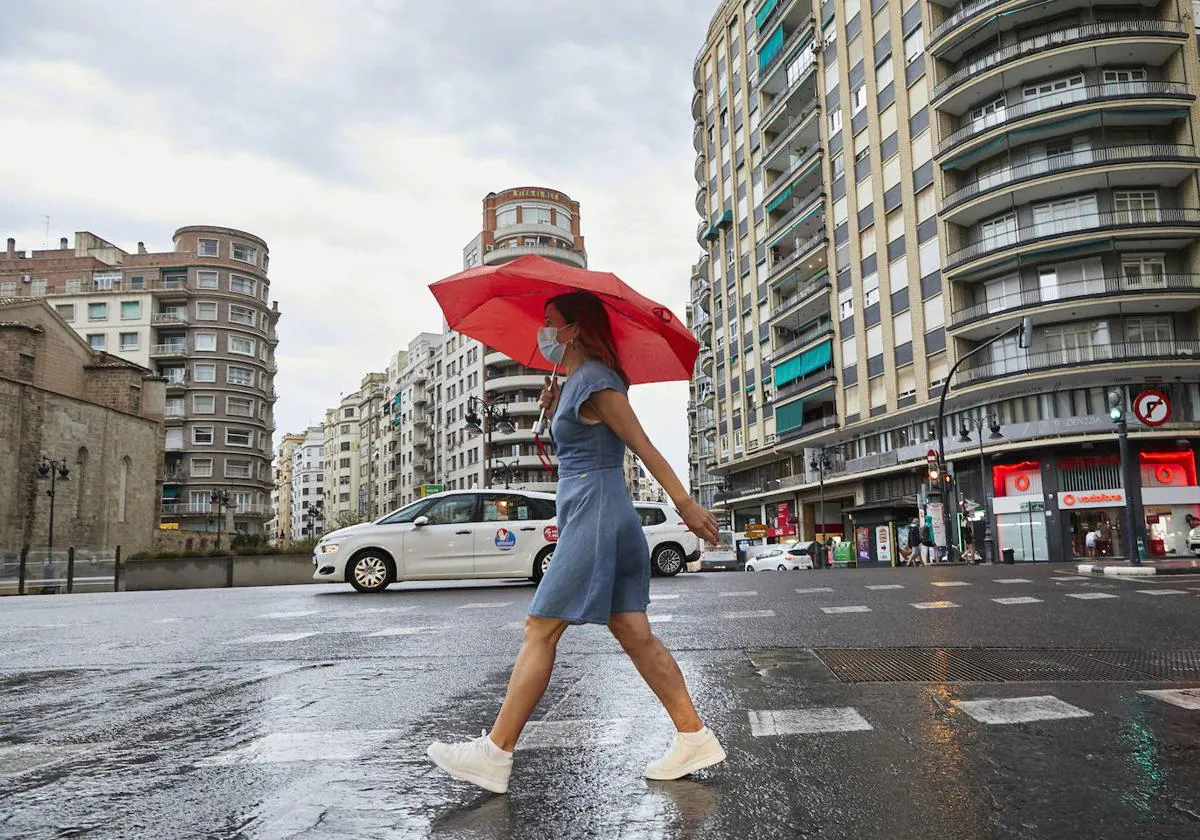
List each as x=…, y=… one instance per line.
x=174, y=510
x=1160, y=223
x=821, y=330
x=168, y=351
x=698, y=104
x=1104, y=159
x=792, y=137
x=793, y=89
x=499, y=256
x=812, y=427
x=802, y=176
x=698, y=137
x=1086, y=34
x=169, y=319
x=1008, y=116
x=783, y=260
x=794, y=305
x=804, y=383
x=778, y=52
x=801, y=211
x=1103, y=354
x=1098, y=289
x=523, y=408
x=420, y=418
x=420, y=396
x=957, y=20
x=511, y=383
x=702, y=200
x=176, y=476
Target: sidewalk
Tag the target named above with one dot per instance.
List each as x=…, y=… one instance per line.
x=1148, y=568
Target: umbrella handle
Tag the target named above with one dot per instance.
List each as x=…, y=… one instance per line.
x=539, y=428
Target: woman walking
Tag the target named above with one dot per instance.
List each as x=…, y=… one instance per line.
x=601, y=568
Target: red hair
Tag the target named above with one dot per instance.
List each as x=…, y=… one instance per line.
x=595, y=336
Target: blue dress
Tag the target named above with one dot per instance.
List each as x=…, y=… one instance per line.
x=601, y=564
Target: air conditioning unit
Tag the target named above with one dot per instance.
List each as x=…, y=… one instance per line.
x=25, y=278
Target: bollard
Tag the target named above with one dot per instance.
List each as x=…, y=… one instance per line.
x=70, y=570
x=117, y=571
x=21, y=571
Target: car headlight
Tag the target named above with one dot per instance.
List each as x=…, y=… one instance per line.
x=328, y=548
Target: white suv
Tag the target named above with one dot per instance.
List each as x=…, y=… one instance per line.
x=472, y=534
x=672, y=546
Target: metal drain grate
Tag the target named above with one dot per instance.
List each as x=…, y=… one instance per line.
x=937, y=664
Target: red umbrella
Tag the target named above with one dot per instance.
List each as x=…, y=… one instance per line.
x=504, y=305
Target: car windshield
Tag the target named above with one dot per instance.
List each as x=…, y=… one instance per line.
x=405, y=514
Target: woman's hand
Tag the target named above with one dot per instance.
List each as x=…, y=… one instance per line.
x=549, y=395
x=700, y=522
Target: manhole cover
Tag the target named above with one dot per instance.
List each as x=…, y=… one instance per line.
x=937, y=664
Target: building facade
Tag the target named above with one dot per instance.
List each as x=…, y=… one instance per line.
x=884, y=188
x=280, y=525
x=200, y=317
x=97, y=414
x=372, y=421
x=309, y=519
x=341, y=462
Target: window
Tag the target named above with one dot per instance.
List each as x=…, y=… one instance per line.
x=38, y=288
x=849, y=353
x=241, y=315
x=131, y=310
x=989, y=113
x=1055, y=91
x=1076, y=342
x=871, y=290
x=208, y=248
x=1135, y=206
x=239, y=437
x=1142, y=271
x=203, y=404
x=239, y=406
x=205, y=373
x=875, y=341
x=73, y=286
x=914, y=46
x=97, y=311
x=237, y=469
x=96, y=341
x=929, y=257
x=999, y=232
x=243, y=253
x=241, y=285
x=898, y=274
x=207, y=280
x=1066, y=214
x=202, y=435
x=1123, y=76
x=1145, y=329
x=902, y=329
x=202, y=467
x=935, y=313
x=206, y=342
x=241, y=346
x=206, y=311
x=846, y=308
x=129, y=341
x=452, y=510
x=66, y=311
x=835, y=121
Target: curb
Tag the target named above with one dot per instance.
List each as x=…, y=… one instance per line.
x=1135, y=571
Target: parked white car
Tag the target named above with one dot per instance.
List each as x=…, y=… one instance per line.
x=446, y=536
x=672, y=546
x=782, y=559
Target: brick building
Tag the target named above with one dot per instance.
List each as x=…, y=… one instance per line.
x=102, y=414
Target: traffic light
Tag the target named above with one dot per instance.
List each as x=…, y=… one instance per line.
x=934, y=475
x=1116, y=406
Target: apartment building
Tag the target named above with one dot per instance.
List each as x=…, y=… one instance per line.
x=200, y=317
x=373, y=419
x=884, y=188
x=309, y=519
x=342, y=462
x=390, y=473
x=279, y=527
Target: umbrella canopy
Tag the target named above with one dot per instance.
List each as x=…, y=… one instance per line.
x=503, y=306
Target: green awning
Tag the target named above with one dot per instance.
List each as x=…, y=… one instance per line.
x=789, y=417
x=726, y=218
x=801, y=366
x=769, y=51
x=966, y=161
x=170, y=494
x=782, y=197
x=765, y=12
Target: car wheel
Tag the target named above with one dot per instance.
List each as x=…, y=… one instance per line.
x=667, y=561
x=781, y=568
x=370, y=572
x=542, y=563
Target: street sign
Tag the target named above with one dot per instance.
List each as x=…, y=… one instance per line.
x=1152, y=408
x=931, y=456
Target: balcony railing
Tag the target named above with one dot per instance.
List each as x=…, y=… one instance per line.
x=785, y=176
x=1062, y=99
x=962, y=13
x=807, y=291
x=1084, y=222
x=812, y=427
x=802, y=248
x=170, y=318
x=804, y=383
x=786, y=131
x=1097, y=287
x=168, y=350
x=1097, y=354
x=1060, y=38
x=802, y=205
x=1073, y=160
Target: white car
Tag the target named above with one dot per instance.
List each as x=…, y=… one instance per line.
x=672, y=546
x=446, y=536
x=780, y=559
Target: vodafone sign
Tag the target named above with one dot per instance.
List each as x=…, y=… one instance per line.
x=1091, y=499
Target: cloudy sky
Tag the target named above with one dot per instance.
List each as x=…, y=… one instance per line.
x=358, y=138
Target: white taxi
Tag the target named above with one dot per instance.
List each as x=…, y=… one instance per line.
x=452, y=535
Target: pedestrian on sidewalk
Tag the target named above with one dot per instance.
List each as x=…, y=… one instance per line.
x=600, y=573
x=914, y=543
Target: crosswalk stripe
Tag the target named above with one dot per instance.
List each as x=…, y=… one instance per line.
x=1184, y=698
x=664, y=597
x=950, y=583
x=270, y=638
x=1012, y=580
x=816, y=589
x=841, y=610
x=299, y=614
x=806, y=721
x=887, y=586
x=486, y=605
x=660, y=619
x=1020, y=709
x=1021, y=600
x=737, y=594
x=936, y=605
x=750, y=614
x=407, y=631
x=1090, y=596
x=1162, y=591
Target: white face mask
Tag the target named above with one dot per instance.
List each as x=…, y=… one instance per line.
x=549, y=346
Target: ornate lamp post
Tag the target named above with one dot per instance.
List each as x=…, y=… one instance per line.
x=54, y=469
x=485, y=417
x=219, y=498
x=978, y=422
x=821, y=464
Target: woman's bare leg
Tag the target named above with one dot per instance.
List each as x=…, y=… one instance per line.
x=657, y=667
x=530, y=676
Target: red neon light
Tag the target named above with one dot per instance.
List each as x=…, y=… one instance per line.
x=1001, y=472
x=1184, y=459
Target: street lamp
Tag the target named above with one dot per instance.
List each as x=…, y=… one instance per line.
x=1024, y=334
x=506, y=472
x=485, y=417
x=978, y=422
x=821, y=464
x=54, y=469
x=220, y=498
x=313, y=512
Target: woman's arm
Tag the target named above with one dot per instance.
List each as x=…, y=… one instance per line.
x=614, y=410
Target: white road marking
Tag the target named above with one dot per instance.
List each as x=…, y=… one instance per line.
x=737, y=594
x=664, y=597
x=841, y=610
x=290, y=614
x=1020, y=709
x=936, y=605
x=806, y=721
x=169, y=621
x=1022, y=600
x=1012, y=580
x=406, y=631
x=491, y=605
x=1065, y=579
x=1184, y=698
x=817, y=589
x=389, y=609
x=950, y=583
x=1163, y=591
x=281, y=747
x=271, y=638
x=750, y=614
x=1090, y=596
x=573, y=734
x=887, y=586
x=660, y=619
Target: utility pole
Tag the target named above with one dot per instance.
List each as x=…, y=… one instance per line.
x=1130, y=480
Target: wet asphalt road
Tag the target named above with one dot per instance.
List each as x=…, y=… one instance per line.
x=304, y=712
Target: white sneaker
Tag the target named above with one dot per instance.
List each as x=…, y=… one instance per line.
x=686, y=757
x=475, y=762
